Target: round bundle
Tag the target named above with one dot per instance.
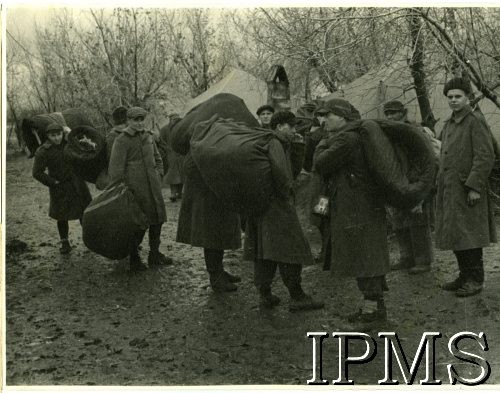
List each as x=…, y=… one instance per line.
x=224, y=105
x=401, y=159
x=86, y=151
x=75, y=117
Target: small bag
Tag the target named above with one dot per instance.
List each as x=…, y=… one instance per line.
x=322, y=206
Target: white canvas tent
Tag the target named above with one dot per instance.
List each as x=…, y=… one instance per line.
x=240, y=83
x=369, y=93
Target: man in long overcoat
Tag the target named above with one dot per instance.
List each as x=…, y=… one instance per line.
x=275, y=238
x=136, y=161
x=463, y=208
x=204, y=221
x=357, y=212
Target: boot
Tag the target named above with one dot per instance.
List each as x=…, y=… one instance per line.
x=470, y=288
x=231, y=277
x=220, y=283
x=136, y=264
x=267, y=299
x=454, y=285
x=372, y=314
x=419, y=269
x=65, y=247
x=301, y=301
x=156, y=258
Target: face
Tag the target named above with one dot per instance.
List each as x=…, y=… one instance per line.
x=394, y=115
x=265, y=117
x=137, y=123
x=55, y=137
x=333, y=122
x=287, y=129
x=457, y=99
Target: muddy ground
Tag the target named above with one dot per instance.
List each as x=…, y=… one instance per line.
x=84, y=320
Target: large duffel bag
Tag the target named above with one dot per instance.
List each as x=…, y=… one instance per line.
x=226, y=106
x=233, y=161
x=407, y=182
x=86, y=151
x=110, y=222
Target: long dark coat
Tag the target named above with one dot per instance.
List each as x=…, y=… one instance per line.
x=204, y=221
x=357, y=213
x=68, y=199
x=467, y=158
x=277, y=234
x=135, y=160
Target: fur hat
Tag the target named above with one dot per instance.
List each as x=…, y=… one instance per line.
x=283, y=117
x=457, y=83
x=265, y=108
x=136, y=111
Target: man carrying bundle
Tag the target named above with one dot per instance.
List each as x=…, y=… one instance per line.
x=357, y=212
x=275, y=237
x=464, y=216
x=135, y=160
x=412, y=226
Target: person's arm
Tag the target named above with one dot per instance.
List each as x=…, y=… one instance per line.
x=332, y=153
x=39, y=167
x=277, y=157
x=483, y=159
x=118, y=160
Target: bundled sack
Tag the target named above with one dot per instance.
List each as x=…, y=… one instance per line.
x=34, y=128
x=110, y=221
x=226, y=106
x=233, y=161
x=86, y=151
x=75, y=117
x=405, y=184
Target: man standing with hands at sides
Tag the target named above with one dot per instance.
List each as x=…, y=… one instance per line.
x=136, y=161
x=265, y=113
x=464, y=221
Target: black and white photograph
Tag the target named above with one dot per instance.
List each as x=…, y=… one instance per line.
x=250, y=196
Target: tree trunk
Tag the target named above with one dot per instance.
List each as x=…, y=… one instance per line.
x=418, y=73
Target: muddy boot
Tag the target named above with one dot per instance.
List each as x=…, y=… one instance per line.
x=302, y=302
x=65, y=247
x=470, y=288
x=231, y=277
x=454, y=285
x=220, y=283
x=267, y=299
x=156, y=258
x=136, y=264
x=371, y=315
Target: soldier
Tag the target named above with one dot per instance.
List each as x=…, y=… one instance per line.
x=136, y=161
x=464, y=213
x=265, y=113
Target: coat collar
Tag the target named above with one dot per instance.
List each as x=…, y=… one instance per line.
x=132, y=132
x=457, y=117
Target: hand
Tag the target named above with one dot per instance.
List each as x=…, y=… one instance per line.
x=473, y=197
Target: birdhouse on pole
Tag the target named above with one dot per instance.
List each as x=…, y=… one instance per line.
x=278, y=87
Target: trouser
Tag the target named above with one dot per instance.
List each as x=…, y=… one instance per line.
x=415, y=245
x=154, y=239
x=176, y=190
x=63, y=228
x=470, y=264
x=326, y=243
x=213, y=261
x=264, y=271
x=372, y=287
